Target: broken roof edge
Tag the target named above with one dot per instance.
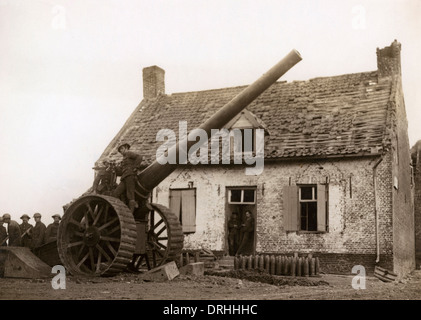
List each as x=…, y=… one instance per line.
x=391, y=121
x=145, y=101
x=373, y=73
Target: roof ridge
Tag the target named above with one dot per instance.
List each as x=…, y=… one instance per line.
x=345, y=75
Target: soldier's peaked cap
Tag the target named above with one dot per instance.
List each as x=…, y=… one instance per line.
x=56, y=215
x=25, y=216
x=37, y=215
x=6, y=216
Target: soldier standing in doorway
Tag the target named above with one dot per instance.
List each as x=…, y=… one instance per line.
x=233, y=233
x=247, y=230
x=25, y=226
x=129, y=165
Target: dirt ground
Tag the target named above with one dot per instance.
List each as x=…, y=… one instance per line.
x=213, y=286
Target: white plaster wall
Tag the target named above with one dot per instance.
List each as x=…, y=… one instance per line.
x=351, y=214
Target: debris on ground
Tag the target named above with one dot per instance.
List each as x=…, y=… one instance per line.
x=221, y=285
x=263, y=277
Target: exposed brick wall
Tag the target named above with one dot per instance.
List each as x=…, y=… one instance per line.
x=402, y=192
x=384, y=200
x=343, y=263
x=351, y=220
x=153, y=82
x=417, y=205
x=389, y=60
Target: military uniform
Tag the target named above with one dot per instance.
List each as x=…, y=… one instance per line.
x=233, y=235
x=3, y=233
x=37, y=233
x=14, y=234
x=24, y=227
x=129, y=165
x=103, y=181
x=246, y=243
x=51, y=231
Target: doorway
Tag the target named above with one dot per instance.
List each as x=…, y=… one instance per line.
x=240, y=200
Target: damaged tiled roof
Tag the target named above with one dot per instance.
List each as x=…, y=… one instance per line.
x=328, y=116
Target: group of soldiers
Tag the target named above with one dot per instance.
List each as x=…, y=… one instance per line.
x=25, y=234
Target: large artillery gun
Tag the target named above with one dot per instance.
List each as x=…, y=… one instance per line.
x=98, y=234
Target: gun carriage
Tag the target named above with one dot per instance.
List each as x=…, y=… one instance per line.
x=98, y=234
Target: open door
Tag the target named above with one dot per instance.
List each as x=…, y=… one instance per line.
x=240, y=200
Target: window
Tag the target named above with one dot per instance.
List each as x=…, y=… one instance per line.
x=247, y=142
x=242, y=196
x=305, y=208
x=307, y=196
x=183, y=205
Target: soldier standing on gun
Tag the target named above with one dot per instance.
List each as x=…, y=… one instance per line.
x=25, y=226
x=129, y=165
x=104, y=179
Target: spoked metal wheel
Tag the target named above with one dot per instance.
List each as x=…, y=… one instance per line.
x=96, y=236
x=164, y=237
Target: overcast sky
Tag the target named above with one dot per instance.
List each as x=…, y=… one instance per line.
x=70, y=70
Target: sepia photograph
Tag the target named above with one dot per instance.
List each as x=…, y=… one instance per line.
x=210, y=156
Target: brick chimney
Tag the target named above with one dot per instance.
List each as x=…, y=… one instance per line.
x=389, y=60
x=153, y=82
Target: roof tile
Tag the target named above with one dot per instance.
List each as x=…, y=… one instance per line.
x=323, y=116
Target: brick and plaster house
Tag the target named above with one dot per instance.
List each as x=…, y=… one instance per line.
x=336, y=179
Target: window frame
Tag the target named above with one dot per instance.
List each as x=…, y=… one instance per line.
x=242, y=189
x=292, y=207
x=187, y=229
x=312, y=200
x=235, y=143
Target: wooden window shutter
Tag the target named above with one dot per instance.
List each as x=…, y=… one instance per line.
x=321, y=207
x=175, y=202
x=188, y=209
x=290, y=208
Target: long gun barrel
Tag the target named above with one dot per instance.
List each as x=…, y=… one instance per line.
x=155, y=173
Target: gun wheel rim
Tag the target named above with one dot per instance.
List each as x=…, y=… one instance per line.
x=96, y=236
x=165, y=238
